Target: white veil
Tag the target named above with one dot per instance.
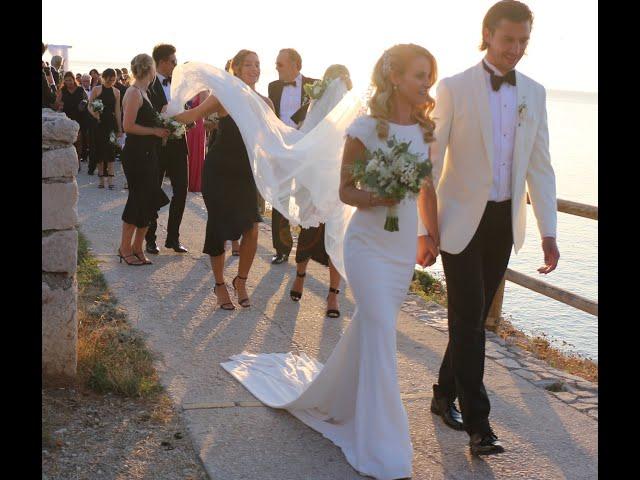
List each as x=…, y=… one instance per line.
x=296, y=171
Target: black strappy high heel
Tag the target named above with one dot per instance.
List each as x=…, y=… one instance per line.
x=244, y=302
x=332, y=312
x=124, y=257
x=224, y=306
x=296, y=296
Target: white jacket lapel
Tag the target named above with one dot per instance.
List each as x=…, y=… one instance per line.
x=522, y=114
x=481, y=97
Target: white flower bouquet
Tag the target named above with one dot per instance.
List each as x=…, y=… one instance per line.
x=176, y=129
x=316, y=89
x=97, y=106
x=395, y=174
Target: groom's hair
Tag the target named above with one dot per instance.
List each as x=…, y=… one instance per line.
x=162, y=52
x=512, y=10
x=294, y=56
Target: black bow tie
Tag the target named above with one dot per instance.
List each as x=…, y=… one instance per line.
x=166, y=81
x=497, y=80
x=289, y=84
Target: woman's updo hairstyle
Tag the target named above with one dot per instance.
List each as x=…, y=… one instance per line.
x=397, y=59
x=141, y=65
x=336, y=70
x=237, y=61
x=108, y=73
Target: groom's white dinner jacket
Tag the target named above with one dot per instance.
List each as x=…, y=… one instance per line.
x=462, y=158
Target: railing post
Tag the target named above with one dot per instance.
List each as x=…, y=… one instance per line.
x=493, y=317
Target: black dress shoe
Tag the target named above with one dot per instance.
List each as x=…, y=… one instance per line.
x=448, y=411
x=152, y=248
x=485, y=443
x=177, y=247
x=279, y=258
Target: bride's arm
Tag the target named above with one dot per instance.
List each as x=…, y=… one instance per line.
x=349, y=193
x=428, y=209
x=206, y=108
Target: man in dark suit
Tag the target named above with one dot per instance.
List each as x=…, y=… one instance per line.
x=289, y=99
x=172, y=156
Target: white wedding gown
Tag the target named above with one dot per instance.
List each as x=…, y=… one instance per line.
x=354, y=399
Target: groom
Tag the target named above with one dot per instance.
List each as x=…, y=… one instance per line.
x=172, y=156
x=492, y=122
x=288, y=97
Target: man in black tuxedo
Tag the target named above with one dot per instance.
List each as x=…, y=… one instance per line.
x=289, y=99
x=172, y=156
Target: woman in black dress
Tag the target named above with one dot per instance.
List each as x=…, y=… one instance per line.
x=228, y=187
x=72, y=100
x=108, y=127
x=140, y=162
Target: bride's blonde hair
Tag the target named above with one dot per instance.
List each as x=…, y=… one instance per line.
x=397, y=59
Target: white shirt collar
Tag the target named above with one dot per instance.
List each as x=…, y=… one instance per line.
x=493, y=67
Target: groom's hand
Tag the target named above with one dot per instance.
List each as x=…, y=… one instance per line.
x=551, y=255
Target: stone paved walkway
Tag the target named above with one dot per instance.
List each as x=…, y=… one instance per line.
x=547, y=435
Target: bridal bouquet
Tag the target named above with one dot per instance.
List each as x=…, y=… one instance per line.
x=316, y=89
x=395, y=174
x=97, y=106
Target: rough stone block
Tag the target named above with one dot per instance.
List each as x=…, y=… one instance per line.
x=566, y=396
x=60, y=251
x=57, y=127
x=527, y=374
x=62, y=162
x=59, y=206
x=508, y=362
x=59, y=331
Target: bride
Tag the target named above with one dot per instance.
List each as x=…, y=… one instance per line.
x=354, y=399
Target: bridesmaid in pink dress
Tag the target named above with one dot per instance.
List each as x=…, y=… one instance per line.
x=196, y=143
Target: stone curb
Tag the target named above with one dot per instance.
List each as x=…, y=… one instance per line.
x=571, y=389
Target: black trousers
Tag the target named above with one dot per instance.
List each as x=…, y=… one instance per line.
x=472, y=278
x=172, y=159
x=280, y=233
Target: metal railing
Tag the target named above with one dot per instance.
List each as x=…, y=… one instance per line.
x=559, y=294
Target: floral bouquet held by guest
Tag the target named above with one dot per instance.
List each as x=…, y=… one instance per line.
x=395, y=174
x=97, y=106
x=176, y=129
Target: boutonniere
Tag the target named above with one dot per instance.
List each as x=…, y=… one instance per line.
x=522, y=111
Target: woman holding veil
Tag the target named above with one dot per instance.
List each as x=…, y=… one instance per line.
x=228, y=188
x=354, y=399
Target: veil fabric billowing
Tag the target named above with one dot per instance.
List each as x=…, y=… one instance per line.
x=296, y=171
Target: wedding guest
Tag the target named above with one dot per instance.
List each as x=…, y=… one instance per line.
x=95, y=77
x=125, y=76
x=108, y=126
x=491, y=148
x=288, y=95
x=72, y=100
x=229, y=189
x=49, y=89
x=86, y=126
x=196, y=146
x=78, y=78
x=172, y=156
x=139, y=162
x=56, y=69
x=311, y=240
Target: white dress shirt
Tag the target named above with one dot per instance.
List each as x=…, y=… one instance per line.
x=166, y=88
x=291, y=101
x=504, y=114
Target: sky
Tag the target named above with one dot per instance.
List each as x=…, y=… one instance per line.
x=562, y=53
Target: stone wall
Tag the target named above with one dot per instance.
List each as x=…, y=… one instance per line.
x=59, y=247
